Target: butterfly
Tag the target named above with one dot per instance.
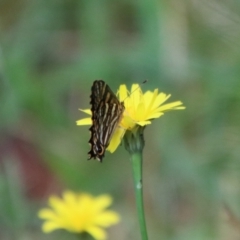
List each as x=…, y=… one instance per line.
x=107, y=113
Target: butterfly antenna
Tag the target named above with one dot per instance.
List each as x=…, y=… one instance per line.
x=143, y=82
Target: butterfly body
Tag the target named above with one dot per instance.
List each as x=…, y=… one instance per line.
x=107, y=113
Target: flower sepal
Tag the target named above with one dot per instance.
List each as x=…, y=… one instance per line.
x=134, y=140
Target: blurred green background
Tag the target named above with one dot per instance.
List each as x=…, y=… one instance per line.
x=51, y=52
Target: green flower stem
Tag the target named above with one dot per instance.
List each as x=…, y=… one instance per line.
x=136, y=160
x=134, y=144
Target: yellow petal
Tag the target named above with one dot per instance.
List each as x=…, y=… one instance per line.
x=170, y=106
x=50, y=226
x=150, y=99
x=84, y=121
x=85, y=201
x=155, y=115
x=107, y=218
x=46, y=214
x=127, y=123
x=102, y=201
x=160, y=99
x=140, y=113
x=122, y=92
x=87, y=111
x=116, y=139
x=135, y=96
x=143, y=123
x=57, y=204
x=70, y=199
x=97, y=233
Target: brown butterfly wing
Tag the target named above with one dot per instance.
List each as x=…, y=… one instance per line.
x=107, y=112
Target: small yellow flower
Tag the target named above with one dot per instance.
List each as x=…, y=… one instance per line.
x=140, y=109
x=79, y=213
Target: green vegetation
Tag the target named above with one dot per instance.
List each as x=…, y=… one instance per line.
x=52, y=51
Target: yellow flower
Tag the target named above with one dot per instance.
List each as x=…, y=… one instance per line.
x=79, y=213
x=140, y=109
